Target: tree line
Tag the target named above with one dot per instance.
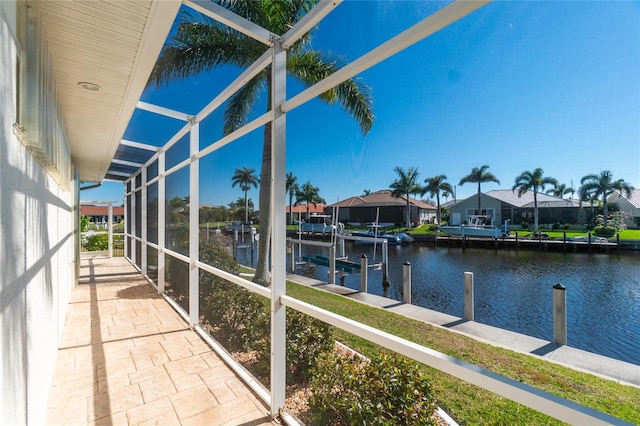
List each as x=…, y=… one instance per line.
x=595, y=188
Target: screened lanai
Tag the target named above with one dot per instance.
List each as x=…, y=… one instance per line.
x=184, y=158
x=170, y=148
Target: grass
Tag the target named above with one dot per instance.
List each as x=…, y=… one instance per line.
x=466, y=403
x=627, y=234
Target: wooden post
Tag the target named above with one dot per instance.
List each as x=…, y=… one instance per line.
x=332, y=264
x=406, y=282
x=364, y=270
x=468, y=296
x=292, y=257
x=559, y=314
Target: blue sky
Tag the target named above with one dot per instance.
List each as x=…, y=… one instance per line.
x=515, y=86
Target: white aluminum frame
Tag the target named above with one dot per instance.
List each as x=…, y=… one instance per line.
x=275, y=55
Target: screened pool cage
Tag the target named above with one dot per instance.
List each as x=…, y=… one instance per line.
x=162, y=199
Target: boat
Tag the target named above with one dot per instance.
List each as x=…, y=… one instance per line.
x=477, y=226
x=377, y=232
x=241, y=227
x=317, y=223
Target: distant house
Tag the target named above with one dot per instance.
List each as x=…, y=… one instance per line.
x=630, y=206
x=362, y=209
x=504, y=204
x=100, y=214
x=300, y=211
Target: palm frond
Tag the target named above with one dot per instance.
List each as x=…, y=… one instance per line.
x=353, y=95
x=241, y=103
x=200, y=46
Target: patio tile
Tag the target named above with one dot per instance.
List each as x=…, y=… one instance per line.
x=126, y=357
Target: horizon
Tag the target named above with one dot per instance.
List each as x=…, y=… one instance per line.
x=514, y=86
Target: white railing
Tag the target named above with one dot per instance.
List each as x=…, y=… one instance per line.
x=544, y=402
x=275, y=55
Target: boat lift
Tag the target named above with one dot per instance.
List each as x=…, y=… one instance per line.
x=336, y=261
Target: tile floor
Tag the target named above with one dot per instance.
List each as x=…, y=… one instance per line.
x=127, y=358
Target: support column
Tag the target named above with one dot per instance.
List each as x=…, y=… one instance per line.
x=278, y=237
x=161, y=222
x=143, y=224
x=194, y=228
x=110, y=227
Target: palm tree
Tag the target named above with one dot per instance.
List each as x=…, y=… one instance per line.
x=201, y=44
x=366, y=192
x=309, y=194
x=245, y=178
x=404, y=186
x=434, y=186
x=560, y=190
x=535, y=182
x=479, y=175
x=601, y=186
x=292, y=190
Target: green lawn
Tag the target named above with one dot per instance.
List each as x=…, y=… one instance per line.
x=627, y=234
x=466, y=403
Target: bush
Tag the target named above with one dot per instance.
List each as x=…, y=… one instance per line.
x=524, y=224
x=556, y=225
x=605, y=231
x=97, y=242
x=238, y=314
x=307, y=339
x=387, y=390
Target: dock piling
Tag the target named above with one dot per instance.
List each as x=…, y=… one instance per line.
x=406, y=282
x=364, y=271
x=468, y=296
x=559, y=314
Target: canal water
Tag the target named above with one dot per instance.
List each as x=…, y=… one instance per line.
x=514, y=290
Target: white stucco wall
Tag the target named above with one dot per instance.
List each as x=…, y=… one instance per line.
x=36, y=257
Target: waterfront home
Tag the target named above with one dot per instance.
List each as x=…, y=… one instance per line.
x=99, y=214
x=629, y=206
x=381, y=205
x=505, y=204
x=72, y=77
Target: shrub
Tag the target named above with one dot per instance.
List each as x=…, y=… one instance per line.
x=556, y=225
x=307, y=339
x=238, y=314
x=605, y=231
x=97, y=242
x=387, y=390
x=524, y=224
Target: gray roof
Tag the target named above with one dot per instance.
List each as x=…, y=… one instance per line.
x=634, y=198
x=382, y=198
x=526, y=200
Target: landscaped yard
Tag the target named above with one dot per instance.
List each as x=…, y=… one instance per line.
x=466, y=403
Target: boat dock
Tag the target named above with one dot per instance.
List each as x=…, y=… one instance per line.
x=613, y=369
x=514, y=242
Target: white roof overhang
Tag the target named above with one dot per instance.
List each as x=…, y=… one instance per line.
x=112, y=45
